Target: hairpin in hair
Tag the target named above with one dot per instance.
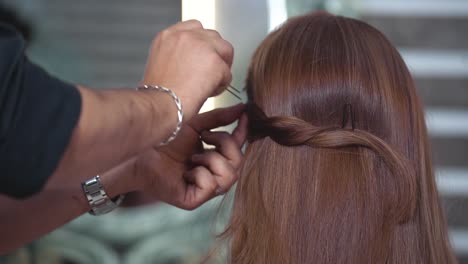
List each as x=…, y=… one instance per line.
x=348, y=116
x=235, y=92
x=256, y=126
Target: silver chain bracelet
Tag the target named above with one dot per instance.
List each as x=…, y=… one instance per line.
x=180, y=113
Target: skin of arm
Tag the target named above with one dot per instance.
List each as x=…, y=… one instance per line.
x=116, y=125
x=22, y=221
x=125, y=127
x=181, y=173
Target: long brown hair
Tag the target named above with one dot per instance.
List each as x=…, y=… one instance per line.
x=338, y=168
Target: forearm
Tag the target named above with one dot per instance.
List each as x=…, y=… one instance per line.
x=22, y=221
x=114, y=126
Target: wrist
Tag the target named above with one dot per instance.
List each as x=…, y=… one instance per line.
x=120, y=179
x=166, y=111
x=177, y=103
x=191, y=103
x=148, y=168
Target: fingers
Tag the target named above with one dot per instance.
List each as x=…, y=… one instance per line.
x=225, y=51
x=224, y=162
x=221, y=170
x=226, y=78
x=223, y=47
x=240, y=133
x=215, y=171
x=192, y=61
x=191, y=24
x=202, y=187
x=213, y=175
x=225, y=144
x=216, y=118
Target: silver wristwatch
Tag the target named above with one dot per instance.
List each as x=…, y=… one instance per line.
x=97, y=197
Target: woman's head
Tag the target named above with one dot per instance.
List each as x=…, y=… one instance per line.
x=338, y=168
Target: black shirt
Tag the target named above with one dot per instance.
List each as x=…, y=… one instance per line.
x=37, y=116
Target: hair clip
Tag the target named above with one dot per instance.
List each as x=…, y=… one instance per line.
x=235, y=92
x=348, y=116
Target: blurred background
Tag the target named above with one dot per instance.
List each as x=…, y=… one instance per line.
x=104, y=44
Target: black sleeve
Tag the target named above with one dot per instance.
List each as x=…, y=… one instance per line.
x=37, y=116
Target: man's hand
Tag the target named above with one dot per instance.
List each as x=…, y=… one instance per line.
x=192, y=61
x=183, y=173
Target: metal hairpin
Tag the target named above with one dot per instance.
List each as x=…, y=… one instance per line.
x=348, y=116
x=234, y=91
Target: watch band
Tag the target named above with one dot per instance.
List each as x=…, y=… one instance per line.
x=97, y=197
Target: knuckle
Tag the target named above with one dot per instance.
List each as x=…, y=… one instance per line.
x=163, y=34
x=227, y=48
x=237, y=163
x=221, y=191
x=235, y=178
x=225, y=185
x=190, y=206
x=198, y=170
x=213, y=58
x=185, y=204
x=212, y=186
x=222, y=74
x=214, y=33
x=194, y=23
x=225, y=73
x=212, y=156
x=184, y=36
x=230, y=47
x=218, y=168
